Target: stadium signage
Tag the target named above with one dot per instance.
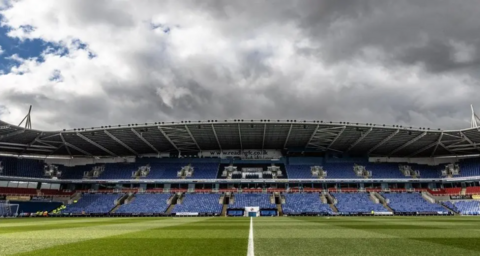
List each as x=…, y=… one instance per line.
x=460, y=197
x=3, y=127
x=244, y=154
x=186, y=214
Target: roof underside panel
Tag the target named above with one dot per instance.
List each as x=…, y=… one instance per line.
x=204, y=136
x=371, y=140
x=252, y=135
x=349, y=136
x=354, y=139
x=132, y=141
x=300, y=135
x=155, y=138
x=276, y=136
x=229, y=135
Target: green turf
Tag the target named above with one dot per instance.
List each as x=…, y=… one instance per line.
x=229, y=236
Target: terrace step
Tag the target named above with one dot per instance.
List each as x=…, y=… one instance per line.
x=169, y=209
x=279, y=209
x=334, y=208
x=115, y=208
x=388, y=207
x=224, y=210
x=450, y=209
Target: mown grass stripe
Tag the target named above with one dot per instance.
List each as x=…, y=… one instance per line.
x=14, y=243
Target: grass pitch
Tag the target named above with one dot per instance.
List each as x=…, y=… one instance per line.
x=229, y=236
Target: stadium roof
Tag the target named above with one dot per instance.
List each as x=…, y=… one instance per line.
x=192, y=136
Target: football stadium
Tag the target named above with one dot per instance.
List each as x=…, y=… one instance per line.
x=233, y=128
x=240, y=187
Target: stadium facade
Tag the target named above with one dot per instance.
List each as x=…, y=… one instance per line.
x=240, y=168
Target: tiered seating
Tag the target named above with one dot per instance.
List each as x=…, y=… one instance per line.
x=465, y=207
x=473, y=190
x=30, y=168
x=146, y=204
x=299, y=171
x=200, y=203
x=453, y=191
x=427, y=171
x=385, y=170
x=22, y=167
x=450, y=205
x=304, y=204
x=244, y=200
x=164, y=170
x=204, y=171
x=76, y=172
x=93, y=203
x=18, y=191
x=354, y=203
x=54, y=192
x=118, y=171
x=340, y=171
x=412, y=203
x=470, y=167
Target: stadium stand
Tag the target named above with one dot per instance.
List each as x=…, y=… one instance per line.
x=470, y=167
x=412, y=203
x=145, y=204
x=93, y=203
x=305, y=204
x=204, y=171
x=471, y=207
x=199, y=203
x=355, y=203
x=244, y=200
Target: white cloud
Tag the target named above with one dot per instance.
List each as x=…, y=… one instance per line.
x=212, y=63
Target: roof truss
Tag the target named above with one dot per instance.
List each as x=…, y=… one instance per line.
x=323, y=138
x=383, y=141
x=95, y=144
x=406, y=144
x=120, y=142
x=144, y=140
x=179, y=137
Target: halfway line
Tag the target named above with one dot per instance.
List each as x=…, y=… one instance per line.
x=250, y=251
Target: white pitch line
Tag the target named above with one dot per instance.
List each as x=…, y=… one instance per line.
x=250, y=251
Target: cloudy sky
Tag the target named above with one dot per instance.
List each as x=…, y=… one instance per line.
x=84, y=63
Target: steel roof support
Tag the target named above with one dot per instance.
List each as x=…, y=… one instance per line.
x=28, y=149
x=468, y=139
x=322, y=140
x=216, y=137
x=423, y=149
x=144, y=140
x=288, y=136
x=240, y=136
x=191, y=135
x=383, y=141
x=437, y=144
x=95, y=144
x=120, y=142
x=336, y=137
x=313, y=135
x=360, y=139
x=264, y=133
x=77, y=149
x=25, y=145
x=168, y=138
x=65, y=143
x=406, y=144
x=11, y=134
